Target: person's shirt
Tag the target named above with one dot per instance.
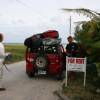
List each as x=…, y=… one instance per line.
x=72, y=49
x=2, y=52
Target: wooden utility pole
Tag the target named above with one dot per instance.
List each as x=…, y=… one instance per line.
x=70, y=25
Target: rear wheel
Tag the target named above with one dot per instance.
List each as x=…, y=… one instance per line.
x=30, y=74
x=61, y=75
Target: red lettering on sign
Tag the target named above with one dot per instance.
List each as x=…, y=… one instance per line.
x=79, y=61
x=71, y=60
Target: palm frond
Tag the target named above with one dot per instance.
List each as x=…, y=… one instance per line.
x=80, y=22
x=87, y=12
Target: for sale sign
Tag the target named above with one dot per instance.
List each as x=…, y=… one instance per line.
x=76, y=65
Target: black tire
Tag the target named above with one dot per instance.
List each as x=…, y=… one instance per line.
x=60, y=76
x=30, y=74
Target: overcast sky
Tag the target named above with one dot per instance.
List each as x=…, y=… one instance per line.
x=22, y=18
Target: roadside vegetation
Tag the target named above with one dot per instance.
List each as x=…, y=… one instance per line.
x=76, y=91
x=17, y=51
x=87, y=34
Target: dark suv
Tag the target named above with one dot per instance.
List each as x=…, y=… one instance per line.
x=44, y=54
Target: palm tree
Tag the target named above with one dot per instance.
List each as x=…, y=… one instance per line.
x=89, y=13
x=89, y=32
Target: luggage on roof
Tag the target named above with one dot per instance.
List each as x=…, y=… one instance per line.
x=46, y=38
x=51, y=41
x=50, y=34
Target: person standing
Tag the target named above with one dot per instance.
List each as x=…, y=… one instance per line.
x=2, y=56
x=71, y=47
x=71, y=51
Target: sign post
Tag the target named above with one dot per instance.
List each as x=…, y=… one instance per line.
x=75, y=65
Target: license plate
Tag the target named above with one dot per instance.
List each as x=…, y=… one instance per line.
x=41, y=72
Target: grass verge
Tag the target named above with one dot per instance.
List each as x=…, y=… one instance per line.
x=76, y=91
x=17, y=51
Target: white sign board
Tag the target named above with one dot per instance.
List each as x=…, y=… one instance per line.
x=76, y=65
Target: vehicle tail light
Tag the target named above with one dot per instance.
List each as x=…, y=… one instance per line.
x=57, y=59
x=30, y=59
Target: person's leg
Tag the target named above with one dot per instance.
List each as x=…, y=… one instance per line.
x=1, y=77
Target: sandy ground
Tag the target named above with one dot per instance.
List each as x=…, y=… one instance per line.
x=20, y=87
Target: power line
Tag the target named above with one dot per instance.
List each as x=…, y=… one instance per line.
x=28, y=7
x=25, y=5
x=21, y=3
x=70, y=20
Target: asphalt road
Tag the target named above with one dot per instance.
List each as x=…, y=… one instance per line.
x=20, y=87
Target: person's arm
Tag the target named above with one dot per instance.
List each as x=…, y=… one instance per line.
x=67, y=50
x=2, y=51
